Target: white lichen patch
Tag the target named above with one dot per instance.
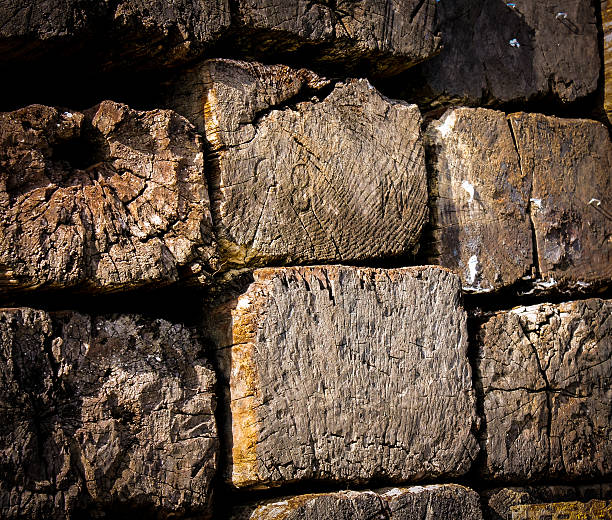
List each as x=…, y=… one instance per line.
x=469, y=188
x=445, y=128
x=473, y=269
x=546, y=285
x=536, y=202
x=531, y=312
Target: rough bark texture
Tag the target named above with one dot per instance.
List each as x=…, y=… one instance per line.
x=336, y=178
x=498, y=503
x=499, y=52
x=334, y=375
x=145, y=33
x=479, y=199
x=384, y=37
x=545, y=372
x=102, y=412
x=606, y=15
x=109, y=199
x=571, y=198
x=563, y=511
x=413, y=503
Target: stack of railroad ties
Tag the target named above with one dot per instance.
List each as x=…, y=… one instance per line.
x=204, y=299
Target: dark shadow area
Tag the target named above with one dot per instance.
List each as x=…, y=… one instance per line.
x=331, y=58
x=483, y=70
x=77, y=83
x=173, y=303
x=216, y=334
x=473, y=327
x=79, y=153
x=488, y=51
x=437, y=235
x=521, y=294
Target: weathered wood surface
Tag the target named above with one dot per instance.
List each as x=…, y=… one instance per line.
x=498, y=503
x=500, y=52
x=302, y=179
x=376, y=36
x=546, y=372
x=336, y=374
x=606, y=19
x=380, y=37
x=494, y=188
x=136, y=32
x=103, y=412
x=564, y=511
x=107, y=199
x=571, y=197
x=479, y=199
x=412, y=503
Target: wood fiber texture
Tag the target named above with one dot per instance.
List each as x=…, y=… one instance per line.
x=571, y=196
x=413, y=503
x=479, y=199
x=545, y=372
x=103, y=412
x=381, y=37
x=498, y=503
x=606, y=16
x=108, y=199
x=334, y=374
x=384, y=37
x=505, y=208
x=564, y=511
x=499, y=52
x=302, y=179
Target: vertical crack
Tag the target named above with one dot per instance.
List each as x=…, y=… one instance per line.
x=234, y=12
x=416, y=10
x=479, y=428
x=535, y=254
x=330, y=289
x=384, y=508
x=547, y=388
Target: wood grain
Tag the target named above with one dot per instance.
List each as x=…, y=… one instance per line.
x=335, y=375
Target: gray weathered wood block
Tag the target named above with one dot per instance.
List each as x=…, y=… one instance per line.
x=506, y=207
x=479, y=200
x=570, y=161
x=103, y=411
x=346, y=374
x=417, y=502
x=545, y=374
x=303, y=170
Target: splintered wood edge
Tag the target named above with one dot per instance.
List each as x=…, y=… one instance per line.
x=210, y=108
x=268, y=273
x=243, y=388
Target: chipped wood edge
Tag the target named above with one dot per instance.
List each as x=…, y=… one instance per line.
x=243, y=388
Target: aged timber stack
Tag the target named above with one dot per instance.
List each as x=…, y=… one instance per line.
x=306, y=259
